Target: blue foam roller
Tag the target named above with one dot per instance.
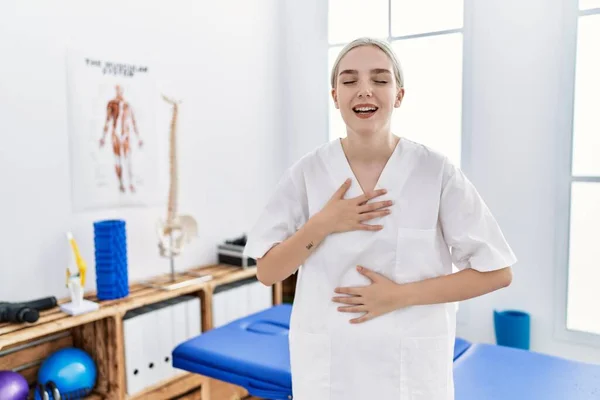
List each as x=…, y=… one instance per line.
x=110, y=241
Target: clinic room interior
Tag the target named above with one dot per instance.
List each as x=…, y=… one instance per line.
x=145, y=142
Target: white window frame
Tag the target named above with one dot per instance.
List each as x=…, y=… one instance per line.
x=565, y=179
x=465, y=137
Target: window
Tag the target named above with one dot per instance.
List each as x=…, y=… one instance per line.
x=428, y=37
x=583, y=287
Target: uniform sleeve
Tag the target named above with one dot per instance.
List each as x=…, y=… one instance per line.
x=281, y=217
x=468, y=226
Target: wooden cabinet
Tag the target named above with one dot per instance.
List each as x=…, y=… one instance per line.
x=24, y=346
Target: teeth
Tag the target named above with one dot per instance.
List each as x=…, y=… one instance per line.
x=365, y=108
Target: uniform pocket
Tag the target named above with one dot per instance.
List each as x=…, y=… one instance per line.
x=416, y=254
x=310, y=360
x=425, y=365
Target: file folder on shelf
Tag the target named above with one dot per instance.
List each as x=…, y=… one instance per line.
x=151, y=333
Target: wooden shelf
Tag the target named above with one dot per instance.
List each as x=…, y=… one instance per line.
x=54, y=320
x=175, y=387
x=100, y=333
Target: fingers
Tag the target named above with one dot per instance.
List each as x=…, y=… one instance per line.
x=374, y=214
x=366, y=317
x=355, y=291
x=362, y=199
x=343, y=189
x=374, y=206
x=354, y=300
x=367, y=227
x=353, y=309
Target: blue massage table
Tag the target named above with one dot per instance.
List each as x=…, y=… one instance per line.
x=252, y=352
x=491, y=372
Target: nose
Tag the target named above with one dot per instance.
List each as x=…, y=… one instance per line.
x=365, y=90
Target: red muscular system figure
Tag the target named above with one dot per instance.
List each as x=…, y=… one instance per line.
x=121, y=119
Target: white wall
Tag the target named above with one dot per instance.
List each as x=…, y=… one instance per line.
x=515, y=106
x=221, y=58
x=518, y=104
x=306, y=90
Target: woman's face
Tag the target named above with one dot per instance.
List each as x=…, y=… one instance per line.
x=366, y=91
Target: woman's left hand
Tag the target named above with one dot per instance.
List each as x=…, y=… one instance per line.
x=380, y=297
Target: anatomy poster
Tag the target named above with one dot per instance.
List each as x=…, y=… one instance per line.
x=115, y=160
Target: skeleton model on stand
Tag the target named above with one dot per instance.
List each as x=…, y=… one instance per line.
x=177, y=230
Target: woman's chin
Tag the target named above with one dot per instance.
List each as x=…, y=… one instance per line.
x=366, y=130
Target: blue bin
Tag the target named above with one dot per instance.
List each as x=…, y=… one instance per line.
x=512, y=328
x=110, y=242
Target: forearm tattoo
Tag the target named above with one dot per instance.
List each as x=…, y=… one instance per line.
x=309, y=246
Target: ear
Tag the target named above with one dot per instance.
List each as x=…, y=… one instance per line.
x=399, y=98
x=334, y=97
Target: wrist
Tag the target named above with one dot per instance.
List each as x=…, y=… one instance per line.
x=321, y=223
x=406, y=295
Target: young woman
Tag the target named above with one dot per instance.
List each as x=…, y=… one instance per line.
x=376, y=221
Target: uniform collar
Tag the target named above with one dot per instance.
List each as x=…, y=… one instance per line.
x=392, y=177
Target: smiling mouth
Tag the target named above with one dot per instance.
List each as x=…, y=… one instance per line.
x=364, y=111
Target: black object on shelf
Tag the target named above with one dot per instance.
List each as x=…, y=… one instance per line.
x=27, y=311
x=232, y=253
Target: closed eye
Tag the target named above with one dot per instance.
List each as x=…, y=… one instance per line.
x=376, y=81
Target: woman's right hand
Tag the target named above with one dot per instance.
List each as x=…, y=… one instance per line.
x=343, y=215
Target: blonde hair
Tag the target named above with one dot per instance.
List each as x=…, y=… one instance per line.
x=367, y=41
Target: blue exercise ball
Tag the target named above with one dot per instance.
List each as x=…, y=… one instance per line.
x=13, y=386
x=71, y=369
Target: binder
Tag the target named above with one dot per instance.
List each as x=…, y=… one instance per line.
x=179, y=321
x=163, y=317
x=253, y=297
x=133, y=344
x=260, y=297
x=140, y=346
x=151, y=333
x=194, y=320
x=235, y=302
x=151, y=345
x=266, y=296
x=216, y=309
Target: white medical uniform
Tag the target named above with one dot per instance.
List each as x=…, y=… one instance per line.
x=438, y=219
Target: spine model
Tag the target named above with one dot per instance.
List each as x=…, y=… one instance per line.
x=176, y=230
